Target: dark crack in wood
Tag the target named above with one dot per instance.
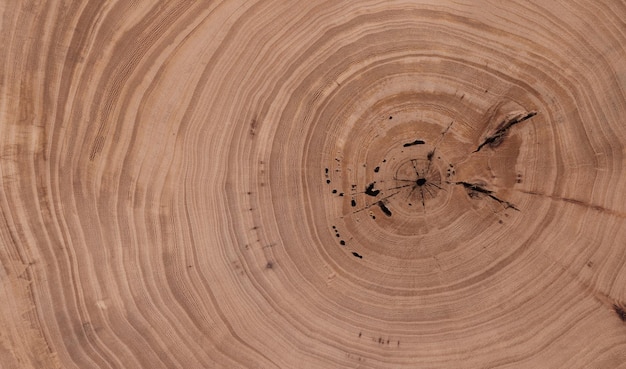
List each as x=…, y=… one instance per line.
x=495, y=138
x=384, y=208
x=619, y=310
x=577, y=202
x=482, y=190
x=416, y=142
x=376, y=203
x=431, y=154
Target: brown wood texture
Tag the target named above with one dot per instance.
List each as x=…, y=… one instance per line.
x=313, y=184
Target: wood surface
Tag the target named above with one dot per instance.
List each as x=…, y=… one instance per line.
x=312, y=184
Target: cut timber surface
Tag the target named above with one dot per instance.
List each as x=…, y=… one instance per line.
x=313, y=184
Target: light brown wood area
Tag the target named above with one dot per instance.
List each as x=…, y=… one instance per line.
x=312, y=184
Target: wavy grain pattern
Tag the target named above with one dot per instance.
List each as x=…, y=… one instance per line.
x=313, y=184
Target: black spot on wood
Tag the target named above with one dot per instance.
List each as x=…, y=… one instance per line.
x=334, y=191
x=328, y=181
x=356, y=254
x=416, y=142
x=384, y=208
x=421, y=181
x=370, y=191
x=253, y=126
x=342, y=243
x=353, y=203
x=376, y=169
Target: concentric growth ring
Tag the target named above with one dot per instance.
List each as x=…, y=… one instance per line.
x=313, y=184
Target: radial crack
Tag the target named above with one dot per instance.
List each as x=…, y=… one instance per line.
x=588, y=205
x=504, y=128
x=376, y=203
x=417, y=173
x=431, y=154
x=480, y=189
